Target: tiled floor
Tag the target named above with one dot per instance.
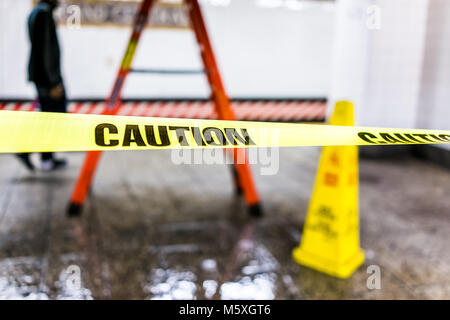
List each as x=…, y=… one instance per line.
x=153, y=229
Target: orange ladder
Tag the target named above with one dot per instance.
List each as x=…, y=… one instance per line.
x=241, y=170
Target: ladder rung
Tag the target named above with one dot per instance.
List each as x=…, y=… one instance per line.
x=168, y=71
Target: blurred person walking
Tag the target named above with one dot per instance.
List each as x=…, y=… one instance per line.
x=44, y=70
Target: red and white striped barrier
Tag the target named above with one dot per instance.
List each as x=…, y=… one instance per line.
x=297, y=110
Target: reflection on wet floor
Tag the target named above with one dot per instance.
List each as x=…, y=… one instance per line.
x=177, y=232
x=20, y=279
x=248, y=272
x=172, y=285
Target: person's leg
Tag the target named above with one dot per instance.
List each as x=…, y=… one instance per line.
x=25, y=159
x=46, y=156
x=45, y=103
x=49, y=104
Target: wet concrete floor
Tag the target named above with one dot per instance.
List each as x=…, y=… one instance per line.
x=155, y=230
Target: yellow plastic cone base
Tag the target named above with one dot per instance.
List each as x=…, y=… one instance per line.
x=330, y=239
x=339, y=269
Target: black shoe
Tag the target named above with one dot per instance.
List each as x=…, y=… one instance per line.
x=25, y=159
x=53, y=164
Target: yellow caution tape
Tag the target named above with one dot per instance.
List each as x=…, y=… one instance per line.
x=22, y=131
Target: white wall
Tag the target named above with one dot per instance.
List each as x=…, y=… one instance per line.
x=380, y=69
x=395, y=55
x=349, y=61
x=397, y=75
x=13, y=48
x=262, y=52
x=434, y=101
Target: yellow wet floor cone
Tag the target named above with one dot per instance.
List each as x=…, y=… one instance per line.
x=330, y=239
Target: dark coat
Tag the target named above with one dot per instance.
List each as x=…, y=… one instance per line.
x=44, y=65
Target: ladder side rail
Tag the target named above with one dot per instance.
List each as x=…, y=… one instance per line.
x=87, y=172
